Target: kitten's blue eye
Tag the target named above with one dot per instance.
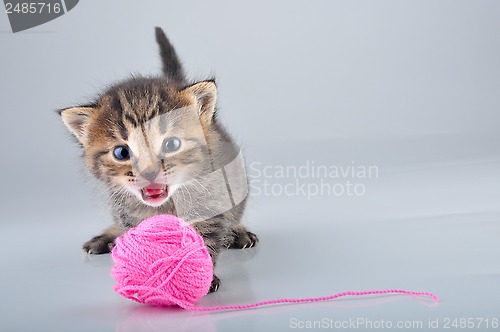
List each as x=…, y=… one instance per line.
x=121, y=153
x=171, y=144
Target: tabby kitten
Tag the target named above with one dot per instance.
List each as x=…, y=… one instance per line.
x=157, y=146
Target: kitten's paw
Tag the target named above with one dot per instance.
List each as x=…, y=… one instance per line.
x=215, y=284
x=244, y=239
x=101, y=244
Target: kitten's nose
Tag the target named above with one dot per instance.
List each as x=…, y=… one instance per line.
x=150, y=175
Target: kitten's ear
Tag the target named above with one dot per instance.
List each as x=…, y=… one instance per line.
x=206, y=94
x=77, y=119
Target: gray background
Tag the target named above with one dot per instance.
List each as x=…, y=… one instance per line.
x=409, y=86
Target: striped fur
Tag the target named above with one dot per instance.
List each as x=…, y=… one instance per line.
x=141, y=114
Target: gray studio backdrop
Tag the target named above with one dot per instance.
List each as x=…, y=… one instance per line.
x=309, y=75
x=402, y=85
x=299, y=71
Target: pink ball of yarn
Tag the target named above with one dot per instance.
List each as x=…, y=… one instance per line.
x=163, y=261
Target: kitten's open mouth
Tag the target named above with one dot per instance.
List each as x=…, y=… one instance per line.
x=154, y=193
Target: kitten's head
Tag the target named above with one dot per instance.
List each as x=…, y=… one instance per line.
x=147, y=136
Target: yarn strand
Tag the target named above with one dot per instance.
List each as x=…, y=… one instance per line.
x=314, y=299
x=164, y=262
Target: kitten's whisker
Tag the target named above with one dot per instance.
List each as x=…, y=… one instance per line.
x=196, y=181
x=117, y=194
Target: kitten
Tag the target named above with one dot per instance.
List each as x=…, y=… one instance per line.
x=157, y=146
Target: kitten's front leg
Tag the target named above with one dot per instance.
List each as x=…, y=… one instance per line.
x=102, y=244
x=240, y=238
x=213, y=232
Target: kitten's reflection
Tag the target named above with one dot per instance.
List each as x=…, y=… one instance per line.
x=156, y=319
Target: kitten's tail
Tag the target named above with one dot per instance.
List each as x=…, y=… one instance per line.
x=172, y=67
